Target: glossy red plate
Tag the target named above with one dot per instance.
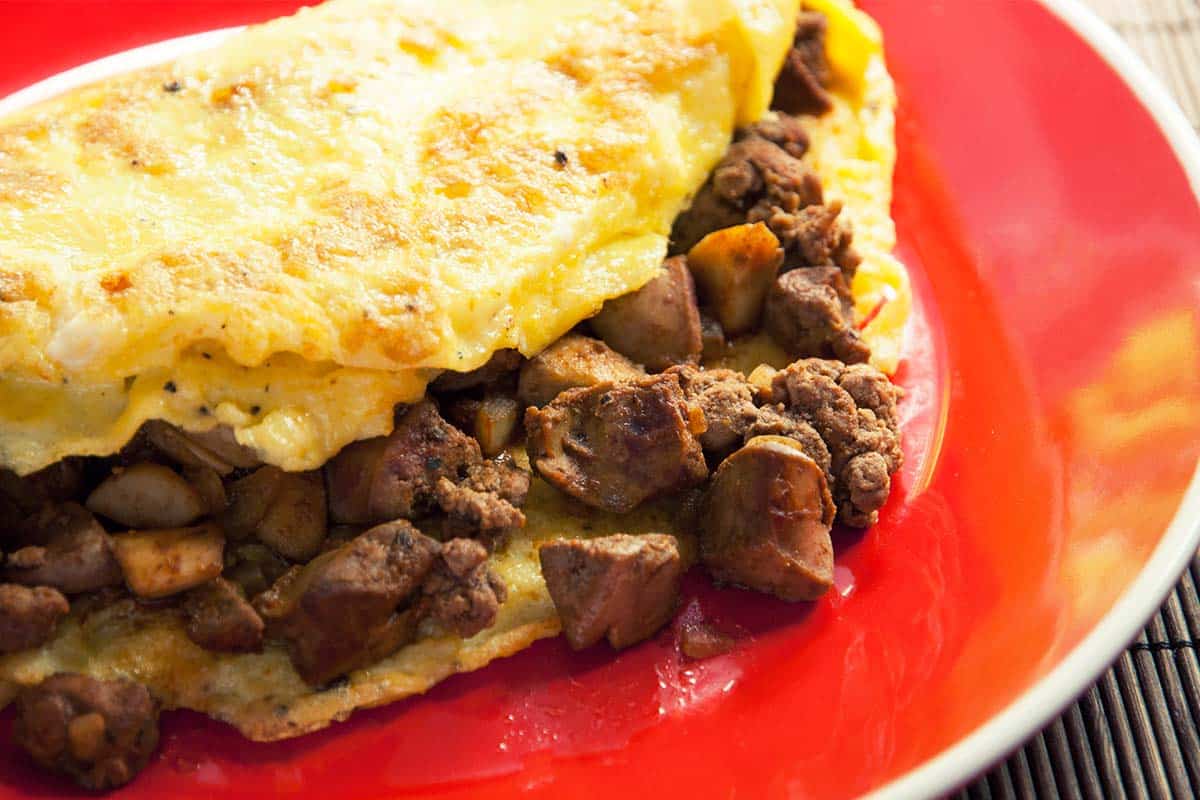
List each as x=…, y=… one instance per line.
x=1053, y=375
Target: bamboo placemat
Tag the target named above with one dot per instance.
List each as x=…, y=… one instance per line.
x=1135, y=733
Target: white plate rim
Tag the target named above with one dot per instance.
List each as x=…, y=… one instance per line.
x=1034, y=708
x=1006, y=730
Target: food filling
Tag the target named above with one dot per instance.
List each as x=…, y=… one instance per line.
x=396, y=540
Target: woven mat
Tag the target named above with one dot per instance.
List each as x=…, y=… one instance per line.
x=1135, y=733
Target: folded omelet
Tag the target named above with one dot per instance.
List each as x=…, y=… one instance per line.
x=297, y=229
x=294, y=232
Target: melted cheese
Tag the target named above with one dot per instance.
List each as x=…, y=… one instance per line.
x=371, y=190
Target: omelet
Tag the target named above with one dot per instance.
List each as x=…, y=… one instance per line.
x=262, y=695
x=300, y=229
x=350, y=199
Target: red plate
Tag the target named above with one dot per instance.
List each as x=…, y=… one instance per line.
x=1053, y=380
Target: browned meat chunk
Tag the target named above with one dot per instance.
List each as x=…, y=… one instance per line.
x=23, y=499
x=726, y=400
x=614, y=445
x=459, y=409
x=343, y=610
x=813, y=236
x=162, y=563
x=295, y=524
x=207, y=483
x=147, y=495
x=294, y=516
x=571, y=362
x=866, y=386
x=754, y=180
x=872, y=390
x=101, y=733
x=761, y=179
x=801, y=85
x=783, y=130
x=57, y=483
x=474, y=509
x=501, y=477
x=774, y=420
x=249, y=499
x=765, y=521
x=863, y=440
x=216, y=448
x=659, y=324
x=757, y=175
x=809, y=312
x=254, y=566
x=29, y=616
x=49, y=522
x=395, y=476
x=707, y=213
x=219, y=618
x=486, y=504
x=494, y=418
x=620, y=587
x=809, y=388
x=863, y=487
x=734, y=268
x=462, y=594
x=502, y=364
x=77, y=555
x=701, y=640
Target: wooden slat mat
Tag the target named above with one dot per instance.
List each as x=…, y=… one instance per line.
x=1136, y=733
x=1166, y=34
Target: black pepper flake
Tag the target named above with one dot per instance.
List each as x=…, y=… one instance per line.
x=560, y=158
x=134, y=162
x=207, y=356
x=254, y=410
x=203, y=411
x=170, y=386
x=172, y=87
x=267, y=388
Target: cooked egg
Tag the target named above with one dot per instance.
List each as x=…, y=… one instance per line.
x=357, y=195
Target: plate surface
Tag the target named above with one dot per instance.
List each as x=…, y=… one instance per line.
x=1053, y=377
